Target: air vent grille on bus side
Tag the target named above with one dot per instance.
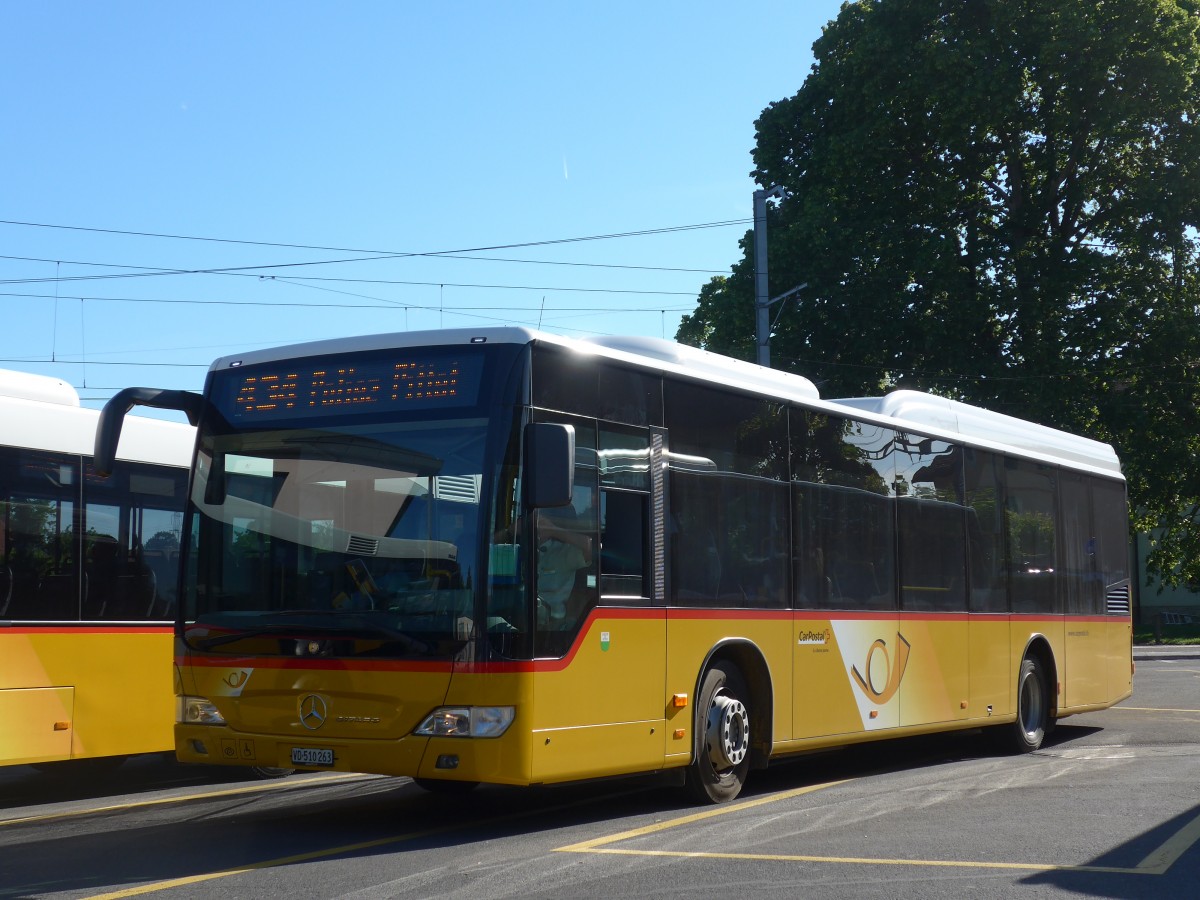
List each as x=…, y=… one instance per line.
x=362, y=546
x=1118, y=600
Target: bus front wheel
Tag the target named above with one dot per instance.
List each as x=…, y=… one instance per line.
x=1033, y=708
x=444, y=786
x=267, y=773
x=722, y=752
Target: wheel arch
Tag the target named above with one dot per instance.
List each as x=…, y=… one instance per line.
x=751, y=662
x=1038, y=647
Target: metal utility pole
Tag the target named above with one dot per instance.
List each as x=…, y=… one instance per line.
x=762, y=302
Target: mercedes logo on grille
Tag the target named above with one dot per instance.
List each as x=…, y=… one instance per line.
x=313, y=712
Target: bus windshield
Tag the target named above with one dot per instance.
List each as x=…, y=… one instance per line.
x=349, y=538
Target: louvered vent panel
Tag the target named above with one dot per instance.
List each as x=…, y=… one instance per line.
x=362, y=546
x=460, y=488
x=1118, y=600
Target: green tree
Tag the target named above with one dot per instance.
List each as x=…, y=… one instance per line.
x=997, y=200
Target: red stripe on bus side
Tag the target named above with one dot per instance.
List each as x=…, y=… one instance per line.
x=86, y=629
x=611, y=613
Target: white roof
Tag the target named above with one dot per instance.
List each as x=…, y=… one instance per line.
x=935, y=416
x=43, y=417
x=667, y=356
x=44, y=388
x=983, y=427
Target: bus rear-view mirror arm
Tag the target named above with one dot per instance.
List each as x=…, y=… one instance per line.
x=112, y=417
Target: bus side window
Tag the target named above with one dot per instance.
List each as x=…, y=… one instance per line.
x=623, y=547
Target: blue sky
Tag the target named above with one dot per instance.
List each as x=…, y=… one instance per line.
x=365, y=127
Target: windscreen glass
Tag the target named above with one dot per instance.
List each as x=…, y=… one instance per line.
x=340, y=519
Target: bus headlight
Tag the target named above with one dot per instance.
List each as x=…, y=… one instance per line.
x=467, y=721
x=197, y=711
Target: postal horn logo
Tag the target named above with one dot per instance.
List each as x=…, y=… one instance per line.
x=893, y=669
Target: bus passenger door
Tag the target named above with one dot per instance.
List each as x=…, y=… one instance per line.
x=599, y=703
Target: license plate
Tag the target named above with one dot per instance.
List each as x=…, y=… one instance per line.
x=311, y=756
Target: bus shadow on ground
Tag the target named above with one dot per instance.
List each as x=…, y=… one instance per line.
x=93, y=779
x=383, y=816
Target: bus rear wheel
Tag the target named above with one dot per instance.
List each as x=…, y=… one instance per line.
x=83, y=769
x=1033, y=708
x=722, y=752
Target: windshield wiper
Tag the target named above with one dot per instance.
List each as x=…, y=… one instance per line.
x=209, y=643
x=356, y=627
x=409, y=643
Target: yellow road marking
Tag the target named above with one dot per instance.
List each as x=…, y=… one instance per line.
x=1175, y=846
x=156, y=886
x=587, y=846
x=868, y=861
x=1156, y=863
x=283, y=784
x=1153, y=709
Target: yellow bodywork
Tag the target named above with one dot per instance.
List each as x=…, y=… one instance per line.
x=82, y=692
x=623, y=700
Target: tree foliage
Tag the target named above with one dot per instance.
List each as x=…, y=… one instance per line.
x=997, y=200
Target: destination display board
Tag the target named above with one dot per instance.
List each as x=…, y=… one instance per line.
x=376, y=384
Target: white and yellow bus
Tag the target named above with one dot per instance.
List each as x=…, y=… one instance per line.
x=504, y=556
x=88, y=574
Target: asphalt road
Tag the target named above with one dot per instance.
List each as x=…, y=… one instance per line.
x=1110, y=807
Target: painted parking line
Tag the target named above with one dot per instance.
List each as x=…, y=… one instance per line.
x=1156, y=863
x=330, y=852
x=1153, y=709
x=157, y=886
x=594, y=844
x=1174, y=847
x=281, y=785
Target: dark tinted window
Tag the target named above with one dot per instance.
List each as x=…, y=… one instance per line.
x=630, y=396
x=624, y=544
x=624, y=469
x=1032, y=490
x=566, y=547
x=735, y=433
x=843, y=524
x=1111, y=526
x=728, y=498
x=113, y=556
x=40, y=495
x=565, y=381
x=988, y=561
x=133, y=521
x=1080, y=578
x=931, y=522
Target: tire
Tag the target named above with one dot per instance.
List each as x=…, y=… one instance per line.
x=81, y=769
x=722, y=736
x=445, y=787
x=268, y=772
x=1033, y=708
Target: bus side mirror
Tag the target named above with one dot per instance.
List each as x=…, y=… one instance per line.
x=112, y=417
x=549, y=464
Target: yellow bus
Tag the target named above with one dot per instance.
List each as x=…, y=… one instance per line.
x=504, y=556
x=88, y=572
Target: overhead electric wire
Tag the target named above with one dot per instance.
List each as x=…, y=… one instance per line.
x=499, y=259
x=375, y=254
x=252, y=272
x=381, y=303
x=293, y=279
x=94, y=362
x=127, y=271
